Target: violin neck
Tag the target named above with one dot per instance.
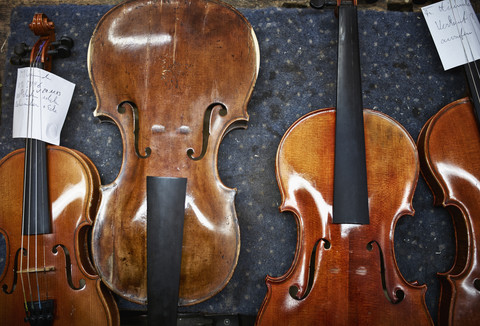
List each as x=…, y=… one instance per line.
x=350, y=197
x=473, y=77
x=36, y=212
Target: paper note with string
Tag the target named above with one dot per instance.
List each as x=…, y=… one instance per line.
x=455, y=30
x=41, y=104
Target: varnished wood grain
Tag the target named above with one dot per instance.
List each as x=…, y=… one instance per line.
x=449, y=147
x=349, y=259
x=73, y=194
x=173, y=60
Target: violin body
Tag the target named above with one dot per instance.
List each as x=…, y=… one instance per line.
x=174, y=77
x=449, y=147
x=344, y=274
x=347, y=174
x=55, y=266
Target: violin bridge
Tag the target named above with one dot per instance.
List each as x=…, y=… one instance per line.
x=37, y=270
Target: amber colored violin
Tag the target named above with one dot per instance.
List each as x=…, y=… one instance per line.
x=449, y=147
x=48, y=196
x=348, y=174
x=175, y=77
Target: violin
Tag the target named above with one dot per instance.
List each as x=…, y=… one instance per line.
x=174, y=77
x=449, y=148
x=49, y=195
x=347, y=174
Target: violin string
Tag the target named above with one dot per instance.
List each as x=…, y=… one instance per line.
x=29, y=147
x=30, y=186
x=473, y=58
x=32, y=155
x=38, y=179
x=24, y=214
x=28, y=183
x=43, y=182
x=473, y=62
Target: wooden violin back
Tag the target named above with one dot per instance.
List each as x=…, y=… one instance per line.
x=175, y=77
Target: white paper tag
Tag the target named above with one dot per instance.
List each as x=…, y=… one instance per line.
x=455, y=31
x=41, y=104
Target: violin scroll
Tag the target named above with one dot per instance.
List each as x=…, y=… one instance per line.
x=46, y=47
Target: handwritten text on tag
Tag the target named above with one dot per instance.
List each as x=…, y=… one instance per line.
x=455, y=31
x=41, y=104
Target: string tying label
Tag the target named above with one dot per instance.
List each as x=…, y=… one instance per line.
x=455, y=31
x=41, y=104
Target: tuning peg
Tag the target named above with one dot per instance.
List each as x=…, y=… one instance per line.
x=67, y=41
x=62, y=47
x=19, y=61
x=61, y=51
x=64, y=41
x=317, y=4
x=22, y=49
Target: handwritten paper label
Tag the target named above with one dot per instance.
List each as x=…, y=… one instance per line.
x=455, y=31
x=41, y=104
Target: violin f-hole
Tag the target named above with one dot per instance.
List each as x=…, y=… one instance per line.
x=206, y=129
x=293, y=290
x=121, y=110
x=399, y=294
x=68, y=268
x=15, y=273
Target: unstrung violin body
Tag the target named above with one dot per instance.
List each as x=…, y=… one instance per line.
x=53, y=277
x=344, y=274
x=449, y=147
x=175, y=77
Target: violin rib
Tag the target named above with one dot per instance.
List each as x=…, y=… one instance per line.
x=449, y=147
x=174, y=77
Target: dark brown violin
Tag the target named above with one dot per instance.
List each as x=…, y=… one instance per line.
x=348, y=174
x=48, y=196
x=175, y=77
x=449, y=147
